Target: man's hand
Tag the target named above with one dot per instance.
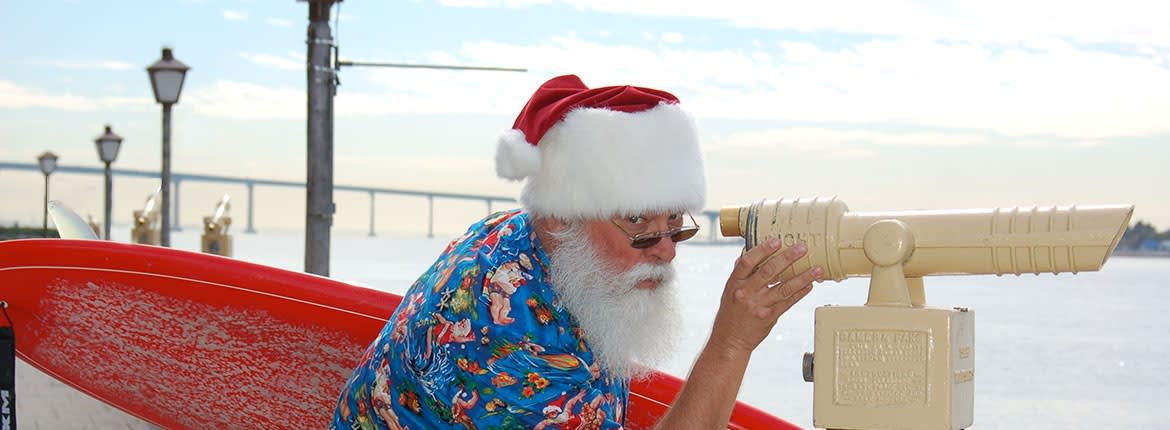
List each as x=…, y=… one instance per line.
x=754, y=297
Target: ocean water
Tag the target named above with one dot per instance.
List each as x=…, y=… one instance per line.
x=1084, y=351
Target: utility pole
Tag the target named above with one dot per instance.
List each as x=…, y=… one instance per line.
x=322, y=86
x=319, y=206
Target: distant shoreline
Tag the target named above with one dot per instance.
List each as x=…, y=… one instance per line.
x=7, y=233
x=1140, y=253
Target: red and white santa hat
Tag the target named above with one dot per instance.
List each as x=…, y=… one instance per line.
x=603, y=152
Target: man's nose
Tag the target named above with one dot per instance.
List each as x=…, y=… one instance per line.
x=661, y=252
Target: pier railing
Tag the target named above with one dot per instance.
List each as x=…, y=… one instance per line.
x=177, y=179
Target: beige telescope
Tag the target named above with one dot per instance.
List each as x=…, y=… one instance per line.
x=896, y=363
x=944, y=242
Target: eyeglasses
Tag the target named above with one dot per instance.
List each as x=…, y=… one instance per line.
x=646, y=240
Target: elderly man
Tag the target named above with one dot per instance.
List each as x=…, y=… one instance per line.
x=571, y=297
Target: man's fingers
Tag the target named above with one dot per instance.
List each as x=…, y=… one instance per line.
x=769, y=271
x=781, y=307
x=789, y=290
x=746, y=264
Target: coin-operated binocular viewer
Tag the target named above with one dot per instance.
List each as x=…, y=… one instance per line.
x=146, y=222
x=216, y=239
x=894, y=362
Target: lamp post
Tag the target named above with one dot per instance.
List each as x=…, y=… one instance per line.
x=48, y=162
x=166, y=78
x=107, y=147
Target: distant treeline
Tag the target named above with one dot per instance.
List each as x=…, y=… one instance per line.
x=1140, y=233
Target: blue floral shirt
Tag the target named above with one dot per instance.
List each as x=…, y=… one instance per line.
x=481, y=341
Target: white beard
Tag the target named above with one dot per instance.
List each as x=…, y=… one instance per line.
x=629, y=329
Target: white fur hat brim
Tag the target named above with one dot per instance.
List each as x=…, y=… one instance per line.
x=599, y=163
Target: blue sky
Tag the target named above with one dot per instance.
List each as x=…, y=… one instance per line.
x=902, y=105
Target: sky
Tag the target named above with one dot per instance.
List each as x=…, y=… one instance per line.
x=894, y=105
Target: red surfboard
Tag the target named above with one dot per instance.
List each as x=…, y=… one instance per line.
x=186, y=340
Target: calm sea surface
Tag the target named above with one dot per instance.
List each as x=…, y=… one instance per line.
x=1084, y=351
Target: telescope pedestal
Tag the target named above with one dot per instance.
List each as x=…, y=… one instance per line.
x=893, y=367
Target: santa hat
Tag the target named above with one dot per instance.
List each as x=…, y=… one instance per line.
x=602, y=152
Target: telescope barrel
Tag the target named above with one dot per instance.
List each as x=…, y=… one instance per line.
x=947, y=242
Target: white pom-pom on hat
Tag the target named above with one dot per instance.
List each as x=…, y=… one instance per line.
x=516, y=159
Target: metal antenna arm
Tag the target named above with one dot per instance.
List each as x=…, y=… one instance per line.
x=428, y=66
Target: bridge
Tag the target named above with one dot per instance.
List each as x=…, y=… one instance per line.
x=177, y=180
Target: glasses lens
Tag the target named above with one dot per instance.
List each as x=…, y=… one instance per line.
x=645, y=242
x=684, y=234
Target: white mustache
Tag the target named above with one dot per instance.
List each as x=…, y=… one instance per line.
x=662, y=273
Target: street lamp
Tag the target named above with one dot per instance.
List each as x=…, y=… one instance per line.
x=48, y=162
x=166, y=77
x=107, y=147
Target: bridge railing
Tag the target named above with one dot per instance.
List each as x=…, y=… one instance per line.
x=177, y=179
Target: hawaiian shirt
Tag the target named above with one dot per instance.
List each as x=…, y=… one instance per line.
x=481, y=341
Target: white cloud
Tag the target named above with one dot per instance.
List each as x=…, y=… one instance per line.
x=672, y=37
x=435, y=91
x=1061, y=91
x=836, y=143
x=850, y=154
x=89, y=64
x=471, y=3
x=1049, y=88
x=234, y=15
x=1125, y=21
x=245, y=100
x=14, y=96
x=492, y=3
x=406, y=91
x=282, y=63
x=279, y=22
x=807, y=139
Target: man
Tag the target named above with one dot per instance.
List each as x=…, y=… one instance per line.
x=572, y=296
